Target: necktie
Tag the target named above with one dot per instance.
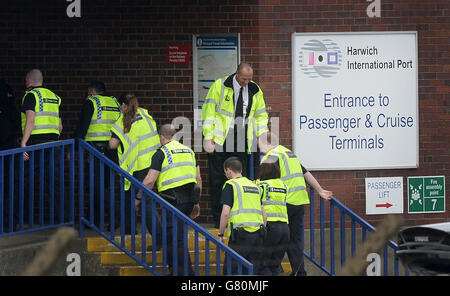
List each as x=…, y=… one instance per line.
x=240, y=105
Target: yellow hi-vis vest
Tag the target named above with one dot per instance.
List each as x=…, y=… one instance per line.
x=106, y=112
x=273, y=196
x=139, y=144
x=178, y=168
x=291, y=174
x=218, y=114
x=246, y=211
x=47, y=111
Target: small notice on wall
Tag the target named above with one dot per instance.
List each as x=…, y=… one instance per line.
x=426, y=194
x=384, y=195
x=178, y=54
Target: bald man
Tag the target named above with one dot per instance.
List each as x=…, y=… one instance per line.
x=234, y=116
x=41, y=120
x=41, y=123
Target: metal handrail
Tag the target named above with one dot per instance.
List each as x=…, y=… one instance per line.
x=9, y=197
x=166, y=208
x=344, y=211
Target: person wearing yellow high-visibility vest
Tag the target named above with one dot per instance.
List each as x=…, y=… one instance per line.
x=41, y=123
x=234, y=116
x=243, y=216
x=98, y=114
x=136, y=139
x=273, y=196
x=176, y=174
x=41, y=120
x=295, y=177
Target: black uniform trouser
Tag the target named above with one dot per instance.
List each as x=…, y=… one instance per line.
x=296, y=245
x=274, y=247
x=248, y=245
x=185, y=208
x=128, y=207
x=102, y=147
x=216, y=175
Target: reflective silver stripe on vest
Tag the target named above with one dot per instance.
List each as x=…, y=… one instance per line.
x=276, y=215
x=297, y=188
x=286, y=165
x=53, y=114
x=262, y=127
x=174, y=180
x=135, y=144
x=245, y=211
x=288, y=177
x=241, y=203
x=208, y=121
x=148, y=121
x=219, y=107
x=103, y=121
x=140, y=153
x=219, y=132
x=103, y=134
x=178, y=164
x=260, y=111
x=274, y=203
x=122, y=133
x=49, y=126
x=210, y=101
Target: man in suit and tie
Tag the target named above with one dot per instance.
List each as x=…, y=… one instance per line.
x=234, y=116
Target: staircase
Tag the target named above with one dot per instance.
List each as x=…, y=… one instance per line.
x=111, y=256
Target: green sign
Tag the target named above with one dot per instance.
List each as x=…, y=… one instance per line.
x=426, y=194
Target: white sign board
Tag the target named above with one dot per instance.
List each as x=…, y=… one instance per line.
x=355, y=100
x=384, y=195
x=214, y=56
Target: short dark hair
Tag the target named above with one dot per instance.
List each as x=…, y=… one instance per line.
x=269, y=170
x=233, y=163
x=98, y=86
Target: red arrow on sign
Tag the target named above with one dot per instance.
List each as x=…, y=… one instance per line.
x=386, y=205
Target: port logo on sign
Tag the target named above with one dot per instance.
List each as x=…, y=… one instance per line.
x=320, y=58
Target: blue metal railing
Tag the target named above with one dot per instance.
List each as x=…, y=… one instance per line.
x=18, y=188
x=24, y=199
x=173, y=224
x=328, y=264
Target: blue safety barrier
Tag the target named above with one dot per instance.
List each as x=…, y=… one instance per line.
x=30, y=187
x=390, y=264
x=119, y=207
x=38, y=194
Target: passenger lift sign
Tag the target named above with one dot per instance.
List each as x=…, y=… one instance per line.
x=384, y=195
x=426, y=194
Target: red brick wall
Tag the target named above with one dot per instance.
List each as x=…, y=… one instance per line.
x=124, y=44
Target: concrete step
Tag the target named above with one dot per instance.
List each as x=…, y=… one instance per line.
x=122, y=258
x=100, y=244
x=141, y=271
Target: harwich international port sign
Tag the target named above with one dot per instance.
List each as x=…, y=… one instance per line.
x=355, y=100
